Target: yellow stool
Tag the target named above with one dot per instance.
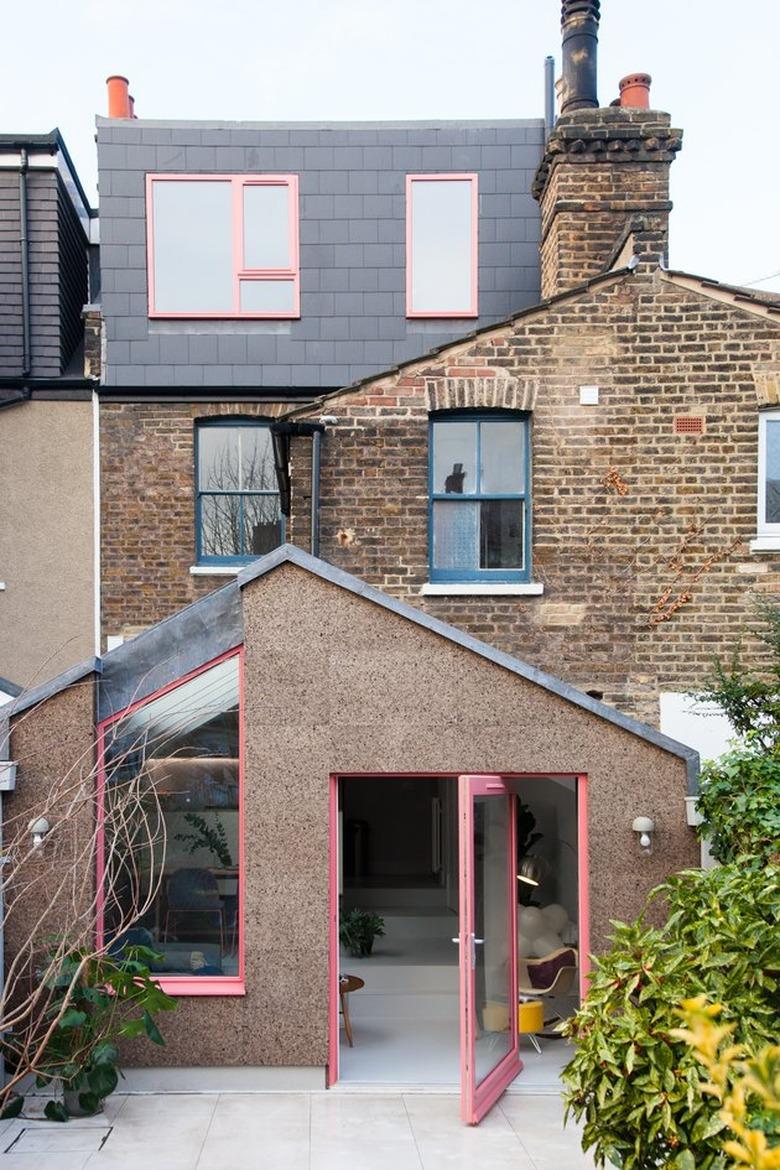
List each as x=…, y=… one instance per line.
x=530, y=1019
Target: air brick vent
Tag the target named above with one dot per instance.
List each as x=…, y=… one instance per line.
x=689, y=424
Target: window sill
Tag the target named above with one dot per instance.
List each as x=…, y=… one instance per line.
x=215, y=570
x=488, y=589
x=201, y=985
x=765, y=544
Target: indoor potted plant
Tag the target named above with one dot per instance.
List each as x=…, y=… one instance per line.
x=358, y=929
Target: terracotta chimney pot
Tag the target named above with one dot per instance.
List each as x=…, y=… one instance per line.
x=118, y=96
x=635, y=91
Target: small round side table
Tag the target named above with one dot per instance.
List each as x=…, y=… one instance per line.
x=348, y=983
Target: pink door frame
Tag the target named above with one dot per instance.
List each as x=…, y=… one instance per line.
x=583, y=892
x=477, y=1098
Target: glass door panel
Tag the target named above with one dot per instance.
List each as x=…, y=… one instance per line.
x=488, y=944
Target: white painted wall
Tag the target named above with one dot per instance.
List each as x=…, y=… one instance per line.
x=702, y=726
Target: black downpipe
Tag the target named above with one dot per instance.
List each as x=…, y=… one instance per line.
x=25, y=249
x=280, y=439
x=316, y=440
x=580, y=34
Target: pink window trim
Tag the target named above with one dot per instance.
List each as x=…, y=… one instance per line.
x=183, y=984
x=290, y=275
x=473, y=308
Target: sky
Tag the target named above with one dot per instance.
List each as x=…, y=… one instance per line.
x=713, y=65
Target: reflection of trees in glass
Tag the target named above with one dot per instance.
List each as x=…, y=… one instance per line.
x=235, y=467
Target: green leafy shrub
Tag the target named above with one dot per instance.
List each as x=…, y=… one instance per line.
x=634, y=1083
x=740, y=804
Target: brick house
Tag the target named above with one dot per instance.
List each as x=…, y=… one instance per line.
x=450, y=588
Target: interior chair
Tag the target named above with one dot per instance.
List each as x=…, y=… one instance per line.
x=194, y=892
x=551, y=975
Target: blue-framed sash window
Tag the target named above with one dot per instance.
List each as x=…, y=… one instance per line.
x=480, y=498
x=238, y=516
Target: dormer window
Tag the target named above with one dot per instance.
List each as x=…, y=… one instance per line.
x=441, y=245
x=223, y=246
x=480, y=498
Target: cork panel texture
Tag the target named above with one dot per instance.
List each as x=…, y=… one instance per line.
x=54, y=746
x=337, y=684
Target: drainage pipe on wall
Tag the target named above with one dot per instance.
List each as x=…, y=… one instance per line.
x=25, y=257
x=549, y=95
x=280, y=437
x=316, y=440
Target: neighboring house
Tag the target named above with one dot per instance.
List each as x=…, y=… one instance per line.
x=47, y=422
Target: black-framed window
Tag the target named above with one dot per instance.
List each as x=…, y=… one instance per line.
x=480, y=492
x=238, y=516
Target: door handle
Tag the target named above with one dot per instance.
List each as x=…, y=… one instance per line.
x=475, y=942
x=456, y=940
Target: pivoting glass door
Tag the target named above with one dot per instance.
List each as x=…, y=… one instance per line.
x=488, y=943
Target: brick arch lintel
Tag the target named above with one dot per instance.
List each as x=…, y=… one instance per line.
x=485, y=393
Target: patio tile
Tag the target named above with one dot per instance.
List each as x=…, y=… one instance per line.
x=445, y=1143
x=260, y=1113
x=158, y=1157
x=365, y=1154
x=58, y=1138
x=267, y=1152
x=38, y=1161
x=538, y=1123
x=359, y=1117
x=164, y=1107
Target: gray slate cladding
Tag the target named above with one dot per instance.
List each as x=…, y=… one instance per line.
x=353, y=255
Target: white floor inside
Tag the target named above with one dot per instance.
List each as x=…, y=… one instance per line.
x=405, y=1021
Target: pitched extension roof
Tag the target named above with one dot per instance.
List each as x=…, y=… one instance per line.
x=217, y=618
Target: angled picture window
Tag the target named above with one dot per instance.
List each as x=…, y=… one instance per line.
x=223, y=245
x=480, y=498
x=180, y=750
x=441, y=245
x=238, y=508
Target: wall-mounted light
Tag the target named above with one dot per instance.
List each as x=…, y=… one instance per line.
x=645, y=827
x=39, y=827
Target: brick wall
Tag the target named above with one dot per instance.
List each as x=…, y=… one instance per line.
x=640, y=534
x=147, y=458
x=603, y=172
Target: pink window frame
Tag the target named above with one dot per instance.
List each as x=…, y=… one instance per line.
x=473, y=308
x=183, y=984
x=290, y=275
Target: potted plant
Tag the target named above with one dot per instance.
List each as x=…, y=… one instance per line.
x=93, y=1002
x=357, y=931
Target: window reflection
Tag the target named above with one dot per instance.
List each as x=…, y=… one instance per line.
x=239, y=507
x=183, y=746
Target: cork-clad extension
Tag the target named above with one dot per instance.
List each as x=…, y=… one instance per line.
x=363, y=683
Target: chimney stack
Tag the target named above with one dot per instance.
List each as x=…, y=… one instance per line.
x=119, y=100
x=580, y=35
